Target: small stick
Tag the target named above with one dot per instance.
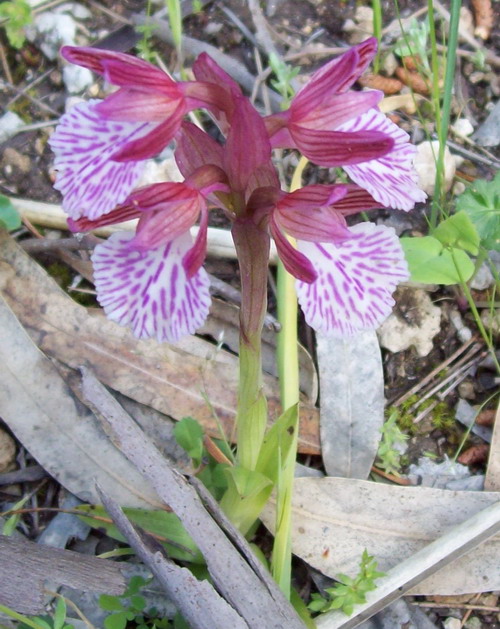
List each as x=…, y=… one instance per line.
x=5, y=64
x=433, y=373
x=22, y=92
x=479, y=608
x=35, y=101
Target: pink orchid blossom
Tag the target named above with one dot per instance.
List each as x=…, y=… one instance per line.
x=153, y=280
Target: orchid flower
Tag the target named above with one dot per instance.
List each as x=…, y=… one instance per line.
x=153, y=280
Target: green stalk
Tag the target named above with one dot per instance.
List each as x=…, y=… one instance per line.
x=475, y=312
x=377, y=32
x=444, y=118
x=20, y=617
x=288, y=373
x=252, y=246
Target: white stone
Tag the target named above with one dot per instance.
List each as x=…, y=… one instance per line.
x=463, y=127
x=9, y=125
x=55, y=30
x=77, y=79
x=452, y=623
x=483, y=279
x=397, y=334
x=425, y=165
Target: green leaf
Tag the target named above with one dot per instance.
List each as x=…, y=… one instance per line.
x=458, y=231
x=135, y=584
x=278, y=438
x=481, y=202
x=189, y=435
x=116, y=621
x=161, y=523
x=9, y=216
x=138, y=602
x=60, y=614
x=110, y=603
x=430, y=263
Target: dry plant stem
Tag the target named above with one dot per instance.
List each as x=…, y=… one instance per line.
x=429, y=377
x=22, y=92
x=478, y=608
x=41, y=105
x=5, y=64
x=262, y=29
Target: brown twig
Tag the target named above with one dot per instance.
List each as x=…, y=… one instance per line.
x=5, y=64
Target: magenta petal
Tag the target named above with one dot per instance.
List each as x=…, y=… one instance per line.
x=296, y=263
x=391, y=178
x=195, y=257
x=305, y=215
x=338, y=148
x=149, y=290
x=337, y=75
x=247, y=145
x=195, y=149
x=334, y=110
x=206, y=69
x=155, y=141
x=356, y=200
x=118, y=215
x=92, y=184
x=169, y=210
x=140, y=74
x=130, y=104
x=355, y=282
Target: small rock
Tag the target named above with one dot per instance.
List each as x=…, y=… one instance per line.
x=9, y=125
x=425, y=165
x=77, y=10
x=491, y=321
x=488, y=133
x=212, y=28
x=421, y=323
x=463, y=332
x=452, y=623
x=463, y=127
x=474, y=623
x=483, y=279
x=77, y=79
x=362, y=26
x=7, y=452
x=466, y=390
x=389, y=64
x=11, y=157
x=53, y=30
x=466, y=21
x=158, y=171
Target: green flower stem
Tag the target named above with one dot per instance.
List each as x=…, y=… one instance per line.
x=444, y=118
x=377, y=31
x=252, y=246
x=288, y=372
x=475, y=312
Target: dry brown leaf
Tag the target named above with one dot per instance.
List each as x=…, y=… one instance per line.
x=483, y=12
x=414, y=80
x=335, y=519
x=475, y=454
x=379, y=82
x=175, y=380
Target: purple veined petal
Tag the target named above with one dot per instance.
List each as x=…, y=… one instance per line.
x=338, y=148
x=195, y=149
x=356, y=279
x=135, y=106
x=391, y=179
x=149, y=291
x=295, y=262
x=334, y=110
x=154, y=141
x=92, y=184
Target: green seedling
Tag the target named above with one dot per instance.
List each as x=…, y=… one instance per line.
x=17, y=15
x=129, y=610
x=481, y=203
x=56, y=621
x=350, y=591
x=284, y=76
x=388, y=455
